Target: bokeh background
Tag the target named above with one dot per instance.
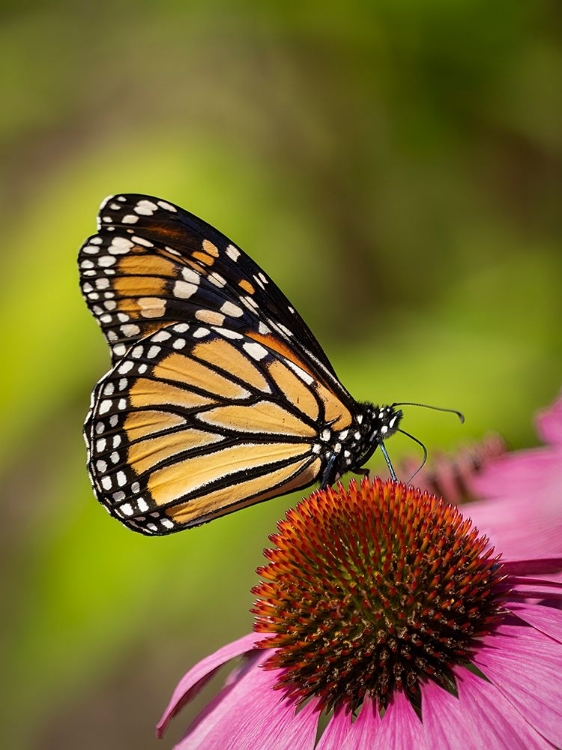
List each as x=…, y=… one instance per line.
x=395, y=166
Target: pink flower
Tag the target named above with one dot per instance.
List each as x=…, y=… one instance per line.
x=386, y=611
x=521, y=494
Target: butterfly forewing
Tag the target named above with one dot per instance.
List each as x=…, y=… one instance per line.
x=152, y=263
x=196, y=421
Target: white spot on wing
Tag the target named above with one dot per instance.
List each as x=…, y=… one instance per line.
x=184, y=290
x=228, y=334
x=161, y=336
x=229, y=308
x=232, y=252
x=105, y=406
x=145, y=208
x=120, y=245
x=201, y=333
x=151, y=307
x=167, y=206
x=256, y=351
x=142, y=504
x=124, y=368
x=211, y=317
x=190, y=275
x=130, y=330
x=217, y=279
x=142, y=241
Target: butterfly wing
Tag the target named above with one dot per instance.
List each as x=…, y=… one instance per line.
x=152, y=263
x=196, y=421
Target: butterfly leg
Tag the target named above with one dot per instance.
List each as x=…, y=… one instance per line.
x=327, y=478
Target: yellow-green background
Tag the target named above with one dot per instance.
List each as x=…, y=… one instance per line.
x=396, y=166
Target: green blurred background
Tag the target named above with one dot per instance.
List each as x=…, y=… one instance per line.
x=395, y=166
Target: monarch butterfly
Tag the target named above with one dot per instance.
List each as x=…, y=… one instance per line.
x=219, y=396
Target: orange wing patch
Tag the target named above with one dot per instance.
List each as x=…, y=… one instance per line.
x=246, y=286
x=147, y=453
x=139, y=286
x=146, y=265
x=295, y=390
x=220, y=502
x=150, y=393
x=194, y=374
x=224, y=355
x=206, y=259
x=264, y=417
x=211, y=249
x=139, y=424
x=170, y=483
x=282, y=348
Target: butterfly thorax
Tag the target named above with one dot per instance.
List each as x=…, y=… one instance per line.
x=350, y=449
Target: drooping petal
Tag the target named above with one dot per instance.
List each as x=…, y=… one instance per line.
x=546, y=619
x=400, y=728
x=364, y=731
x=550, y=565
x=481, y=717
x=253, y=715
x=526, y=666
x=336, y=731
x=194, y=680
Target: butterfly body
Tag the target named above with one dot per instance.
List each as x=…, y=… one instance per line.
x=219, y=396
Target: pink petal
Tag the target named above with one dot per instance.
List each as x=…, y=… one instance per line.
x=336, y=731
x=480, y=717
x=549, y=423
x=400, y=728
x=364, y=730
x=546, y=619
x=521, y=522
x=199, y=675
x=252, y=715
x=535, y=566
x=526, y=666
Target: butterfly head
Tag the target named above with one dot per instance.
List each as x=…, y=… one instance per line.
x=378, y=423
x=372, y=426
x=383, y=421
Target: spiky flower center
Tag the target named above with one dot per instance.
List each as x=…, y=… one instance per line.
x=374, y=589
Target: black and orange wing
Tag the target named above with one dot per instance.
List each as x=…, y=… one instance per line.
x=152, y=263
x=196, y=421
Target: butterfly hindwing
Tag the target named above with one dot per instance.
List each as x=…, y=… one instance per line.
x=196, y=421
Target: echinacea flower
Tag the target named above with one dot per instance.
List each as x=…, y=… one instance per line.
x=453, y=477
x=386, y=616
x=521, y=494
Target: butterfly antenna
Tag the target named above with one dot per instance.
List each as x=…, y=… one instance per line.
x=388, y=461
x=459, y=414
x=419, y=442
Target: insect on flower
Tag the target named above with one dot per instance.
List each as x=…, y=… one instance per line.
x=219, y=396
